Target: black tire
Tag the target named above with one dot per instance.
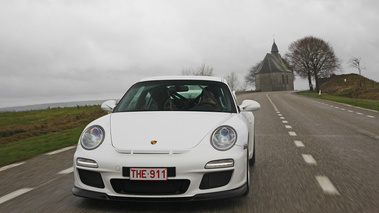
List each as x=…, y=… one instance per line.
x=252, y=160
x=247, y=174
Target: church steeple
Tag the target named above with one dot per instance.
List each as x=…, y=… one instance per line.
x=274, y=49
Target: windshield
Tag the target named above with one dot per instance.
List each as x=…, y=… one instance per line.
x=179, y=95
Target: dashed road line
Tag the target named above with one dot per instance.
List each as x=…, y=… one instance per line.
x=11, y=166
x=66, y=171
x=323, y=181
x=22, y=191
x=288, y=126
x=299, y=143
x=14, y=194
x=309, y=159
x=60, y=150
x=326, y=185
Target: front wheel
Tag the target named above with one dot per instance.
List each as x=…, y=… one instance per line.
x=247, y=174
x=252, y=160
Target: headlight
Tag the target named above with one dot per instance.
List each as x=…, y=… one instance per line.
x=92, y=137
x=224, y=138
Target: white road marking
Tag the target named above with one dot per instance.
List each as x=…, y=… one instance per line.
x=292, y=133
x=66, y=171
x=299, y=143
x=280, y=115
x=309, y=159
x=282, y=118
x=288, y=126
x=326, y=185
x=285, y=122
x=14, y=194
x=370, y=116
x=10, y=166
x=60, y=150
x=359, y=113
x=350, y=111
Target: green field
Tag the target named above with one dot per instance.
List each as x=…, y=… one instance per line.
x=30, y=133
x=364, y=103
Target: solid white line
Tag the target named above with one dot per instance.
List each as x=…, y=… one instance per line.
x=66, y=171
x=285, y=122
x=327, y=185
x=14, y=194
x=309, y=159
x=60, y=150
x=10, y=166
x=292, y=133
x=299, y=143
x=288, y=126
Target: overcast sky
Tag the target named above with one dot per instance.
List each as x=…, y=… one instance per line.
x=70, y=50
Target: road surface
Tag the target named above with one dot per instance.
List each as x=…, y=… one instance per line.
x=311, y=156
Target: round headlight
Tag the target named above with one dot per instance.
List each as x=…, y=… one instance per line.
x=224, y=138
x=92, y=137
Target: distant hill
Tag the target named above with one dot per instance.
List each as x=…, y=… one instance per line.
x=350, y=85
x=51, y=105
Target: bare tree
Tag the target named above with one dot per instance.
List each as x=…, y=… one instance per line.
x=250, y=77
x=312, y=57
x=202, y=70
x=232, y=80
x=356, y=63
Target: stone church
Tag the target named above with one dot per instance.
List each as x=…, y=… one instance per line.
x=273, y=74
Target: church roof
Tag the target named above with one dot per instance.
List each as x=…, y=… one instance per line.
x=272, y=62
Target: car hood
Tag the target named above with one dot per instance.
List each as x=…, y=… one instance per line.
x=138, y=131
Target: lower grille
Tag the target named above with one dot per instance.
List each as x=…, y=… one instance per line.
x=169, y=187
x=215, y=179
x=91, y=178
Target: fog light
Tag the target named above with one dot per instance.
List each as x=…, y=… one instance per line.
x=86, y=163
x=216, y=164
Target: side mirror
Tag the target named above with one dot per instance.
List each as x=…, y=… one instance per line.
x=249, y=105
x=108, y=105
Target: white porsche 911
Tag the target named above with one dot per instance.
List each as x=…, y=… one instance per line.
x=176, y=138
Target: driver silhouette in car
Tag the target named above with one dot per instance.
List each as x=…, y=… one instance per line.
x=207, y=102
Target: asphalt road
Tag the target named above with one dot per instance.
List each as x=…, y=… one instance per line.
x=311, y=156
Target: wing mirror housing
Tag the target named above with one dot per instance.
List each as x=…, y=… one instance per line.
x=108, y=105
x=249, y=105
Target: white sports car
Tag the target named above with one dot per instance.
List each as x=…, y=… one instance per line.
x=176, y=138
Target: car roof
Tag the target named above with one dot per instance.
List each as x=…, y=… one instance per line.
x=185, y=77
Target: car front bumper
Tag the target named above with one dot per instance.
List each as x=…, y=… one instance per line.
x=201, y=197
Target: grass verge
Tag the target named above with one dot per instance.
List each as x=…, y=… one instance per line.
x=30, y=133
x=364, y=103
x=30, y=147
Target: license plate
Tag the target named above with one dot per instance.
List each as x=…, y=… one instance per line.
x=148, y=173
